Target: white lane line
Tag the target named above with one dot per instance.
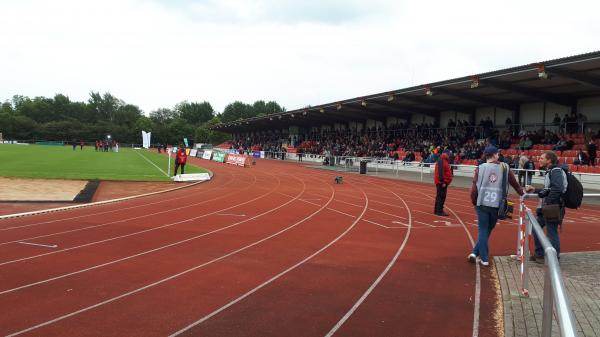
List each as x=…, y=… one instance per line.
x=191, y=195
x=328, y=208
x=424, y=223
x=349, y=203
x=139, y=232
x=114, y=222
x=232, y=214
x=148, y=251
x=381, y=276
x=477, y=303
x=385, y=203
x=176, y=275
x=203, y=319
x=37, y=244
x=310, y=199
x=148, y=160
x=386, y=213
x=387, y=227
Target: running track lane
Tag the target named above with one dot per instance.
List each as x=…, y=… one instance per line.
x=420, y=206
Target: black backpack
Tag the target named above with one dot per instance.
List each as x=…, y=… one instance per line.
x=574, y=193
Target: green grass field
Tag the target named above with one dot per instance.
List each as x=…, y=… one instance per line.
x=61, y=162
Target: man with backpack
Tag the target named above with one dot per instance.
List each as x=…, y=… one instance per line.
x=561, y=189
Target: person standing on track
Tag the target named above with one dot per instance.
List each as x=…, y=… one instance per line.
x=442, y=179
x=486, y=195
x=180, y=159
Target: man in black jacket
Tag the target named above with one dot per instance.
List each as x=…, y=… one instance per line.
x=591, y=148
x=555, y=184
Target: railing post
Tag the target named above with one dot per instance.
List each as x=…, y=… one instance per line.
x=525, y=259
x=548, y=305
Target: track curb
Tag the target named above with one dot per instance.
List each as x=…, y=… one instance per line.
x=97, y=203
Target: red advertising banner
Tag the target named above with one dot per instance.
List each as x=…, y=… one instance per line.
x=237, y=159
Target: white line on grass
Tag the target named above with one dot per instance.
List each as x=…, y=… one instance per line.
x=148, y=160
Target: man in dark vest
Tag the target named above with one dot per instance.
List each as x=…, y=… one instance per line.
x=442, y=178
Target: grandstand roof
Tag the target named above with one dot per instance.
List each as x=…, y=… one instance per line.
x=562, y=81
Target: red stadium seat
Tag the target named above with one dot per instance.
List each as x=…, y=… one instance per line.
x=573, y=168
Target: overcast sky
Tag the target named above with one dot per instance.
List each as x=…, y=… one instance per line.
x=157, y=53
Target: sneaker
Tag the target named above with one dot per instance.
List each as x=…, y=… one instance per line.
x=533, y=257
x=441, y=214
x=472, y=258
x=540, y=259
x=484, y=263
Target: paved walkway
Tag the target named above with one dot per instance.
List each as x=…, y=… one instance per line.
x=523, y=316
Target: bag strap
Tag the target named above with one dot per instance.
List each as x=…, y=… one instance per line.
x=504, y=181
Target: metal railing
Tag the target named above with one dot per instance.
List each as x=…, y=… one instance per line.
x=554, y=289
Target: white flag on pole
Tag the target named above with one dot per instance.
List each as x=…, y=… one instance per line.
x=146, y=139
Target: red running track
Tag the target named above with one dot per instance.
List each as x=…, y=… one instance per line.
x=273, y=250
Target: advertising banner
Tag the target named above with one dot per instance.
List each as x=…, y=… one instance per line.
x=256, y=154
x=207, y=154
x=237, y=159
x=262, y=154
x=218, y=156
x=193, y=152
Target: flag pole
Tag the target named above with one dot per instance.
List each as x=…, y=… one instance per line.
x=169, y=164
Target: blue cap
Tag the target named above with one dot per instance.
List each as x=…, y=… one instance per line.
x=490, y=150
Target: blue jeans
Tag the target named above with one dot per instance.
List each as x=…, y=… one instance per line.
x=551, y=233
x=486, y=221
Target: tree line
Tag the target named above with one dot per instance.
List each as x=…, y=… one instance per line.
x=60, y=119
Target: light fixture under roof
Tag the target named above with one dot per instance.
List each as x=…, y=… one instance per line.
x=542, y=74
x=474, y=82
x=363, y=103
x=390, y=98
x=339, y=106
x=322, y=110
x=428, y=91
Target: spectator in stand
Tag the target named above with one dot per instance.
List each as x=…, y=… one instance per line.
x=589, y=136
x=561, y=145
x=525, y=143
x=486, y=196
x=409, y=157
x=523, y=160
x=180, y=159
x=582, y=158
x=591, y=148
x=442, y=178
x=556, y=120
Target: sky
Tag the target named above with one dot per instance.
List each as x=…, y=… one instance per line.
x=157, y=53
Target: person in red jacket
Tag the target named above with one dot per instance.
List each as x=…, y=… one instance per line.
x=442, y=178
x=180, y=159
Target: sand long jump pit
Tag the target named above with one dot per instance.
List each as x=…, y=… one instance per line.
x=45, y=190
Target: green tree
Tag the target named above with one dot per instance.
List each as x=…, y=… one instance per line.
x=195, y=113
